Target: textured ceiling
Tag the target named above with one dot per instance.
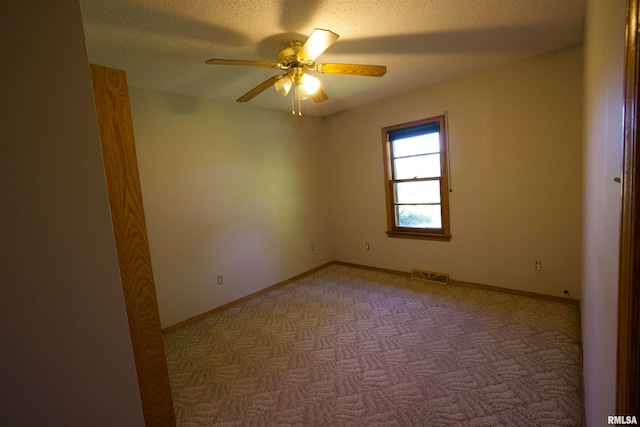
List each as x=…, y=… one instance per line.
x=162, y=45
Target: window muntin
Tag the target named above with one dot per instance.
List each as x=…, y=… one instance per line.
x=416, y=176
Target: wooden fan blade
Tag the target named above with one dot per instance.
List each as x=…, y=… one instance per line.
x=319, y=96
x=260, y=88
x=242, y=62
x=356, y=69
x=318, y=42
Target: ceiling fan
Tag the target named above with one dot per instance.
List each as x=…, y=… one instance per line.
x=297, y=59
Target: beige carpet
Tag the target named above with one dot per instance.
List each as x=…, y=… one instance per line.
x=353, y=347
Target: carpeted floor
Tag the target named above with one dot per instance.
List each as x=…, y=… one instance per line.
x=352, y=347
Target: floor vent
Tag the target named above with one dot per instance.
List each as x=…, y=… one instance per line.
x=430, y=276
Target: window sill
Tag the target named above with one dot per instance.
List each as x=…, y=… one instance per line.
x=423, y=236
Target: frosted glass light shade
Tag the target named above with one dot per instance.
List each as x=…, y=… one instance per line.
x=310, y=84
x=283, y=86
x=301, y=94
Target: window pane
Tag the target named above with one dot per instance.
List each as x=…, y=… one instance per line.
x=422, y=144
x=418, y=192
x=427, y=166
x=419, y=216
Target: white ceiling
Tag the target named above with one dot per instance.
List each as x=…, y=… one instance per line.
x=163, y=44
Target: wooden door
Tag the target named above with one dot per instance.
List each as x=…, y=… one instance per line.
x=111, y=97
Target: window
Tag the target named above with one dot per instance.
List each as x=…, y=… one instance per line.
x=416, y=175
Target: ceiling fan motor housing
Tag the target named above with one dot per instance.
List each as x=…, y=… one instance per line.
x=289, y=55
x=290, y=51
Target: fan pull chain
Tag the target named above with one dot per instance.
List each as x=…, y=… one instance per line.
x=295, y=95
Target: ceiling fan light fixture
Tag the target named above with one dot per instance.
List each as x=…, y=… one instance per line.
x=301, y=94
x=310, y=84
x=283, y=86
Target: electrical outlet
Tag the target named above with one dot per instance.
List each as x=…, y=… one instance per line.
x=367, y=246
x=313, y=246
x=219, y=280
x=538, y=265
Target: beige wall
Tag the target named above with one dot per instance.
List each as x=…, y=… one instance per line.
x=229, y=190
x=604, y=60
x=516, y=168
x=65, y=357
x=243, y=192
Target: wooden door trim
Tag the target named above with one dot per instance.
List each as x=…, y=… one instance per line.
x=115, y=126
x=628, y=375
